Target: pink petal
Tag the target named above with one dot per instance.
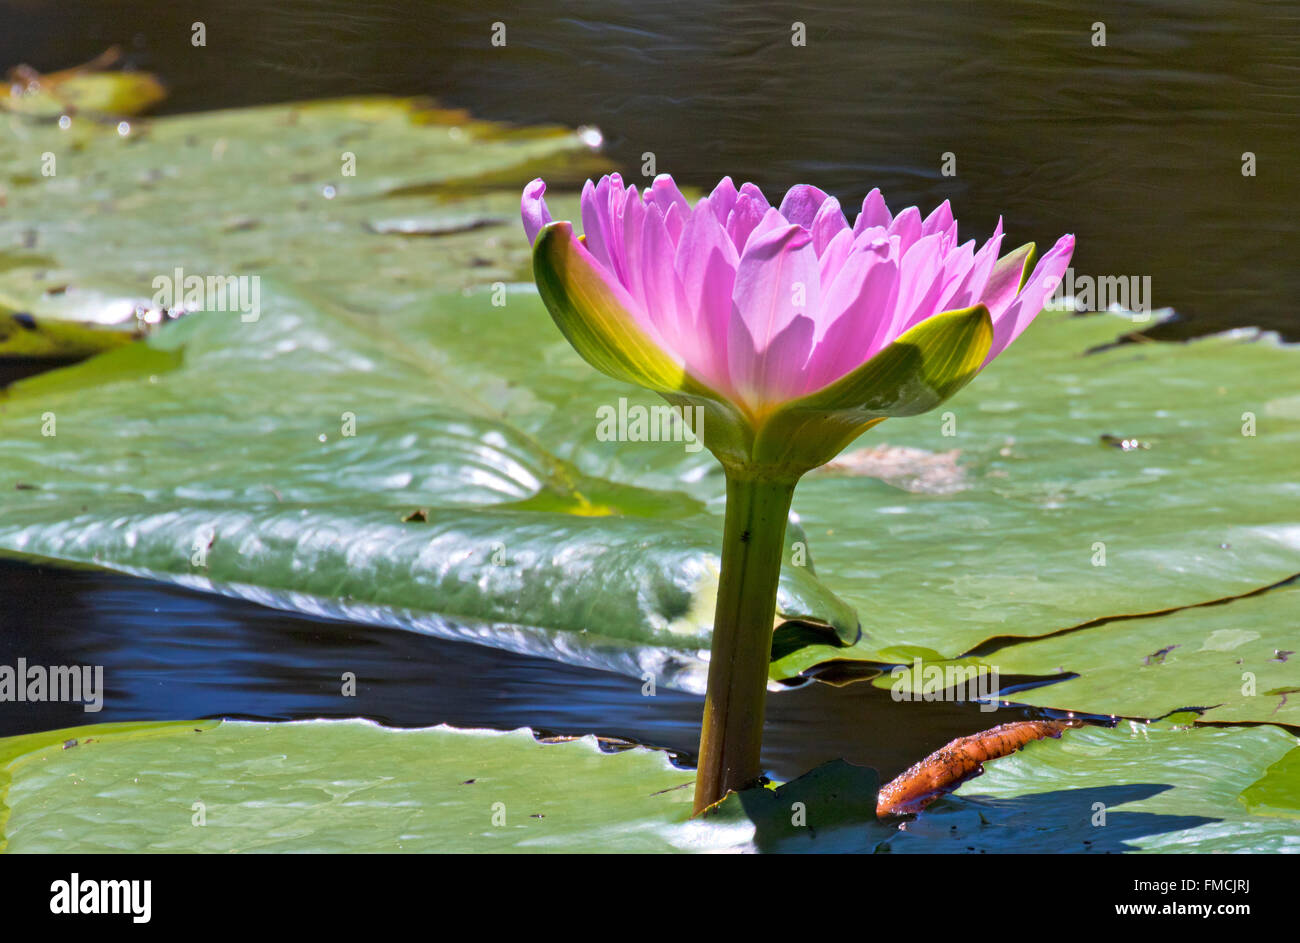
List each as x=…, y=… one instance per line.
x=801, y=203
x=722, y=199
x=596, y=221
x=827, y=224
x=706, y=268
x=773, y=372
x=956, y=264
x=939, y=220
x=907, y=226
x=533, y=209
x=858, y=309
x=633, y=224
x=832, y=259
x=1036, y=293
x=777, y=280
x=664, y=194
x=920, y=281
x=675, y=220
x=1002, y=285
x=744, y=216
x=665, y=302
x=754, y=193
x=874, y=213
x=619, y=200
x=972, y=286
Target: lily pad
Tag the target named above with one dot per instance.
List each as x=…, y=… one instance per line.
x=315, y=193
x=354, y=786
x=1234, y=663
x=1057, y=524
x=338, y=786
x=311, y=461
x=331, y=786
x=828, y=810
x=1277, y=792
x=89, y=89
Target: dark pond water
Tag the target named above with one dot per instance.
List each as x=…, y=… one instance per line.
x=169, y=653
x=1136, y=146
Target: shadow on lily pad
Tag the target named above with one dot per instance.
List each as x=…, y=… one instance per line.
x=1065, y=820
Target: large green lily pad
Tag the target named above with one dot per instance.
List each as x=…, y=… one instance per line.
x=338, y=786
x=348, y=786
x=372, y=201
x=1227, y=661
x=1009, y=538
x=435, y=515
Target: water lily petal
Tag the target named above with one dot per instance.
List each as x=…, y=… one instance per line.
x=865, y=289
x=634, y=211
x=827, y=224
x=706, y=266
x=1007, y=278
x=764, y=375
x=664, y=194
x=533, y=209
x=801, y=203
x=831, y=260
x=907, y=226
x=665, y=301
x=776, y=279
x=939, y=220
x=596, y=227
x=1030, y=301
x=597, y=315
x=972, y=286
x=874, y=213
x=744, y=217
x=915, y=373
x=722, y=199
x=920, y=281
x=605, y=326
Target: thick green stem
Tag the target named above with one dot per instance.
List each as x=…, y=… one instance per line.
x=753, y=542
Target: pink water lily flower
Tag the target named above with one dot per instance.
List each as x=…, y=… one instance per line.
x=794, y=332
x=763, y=306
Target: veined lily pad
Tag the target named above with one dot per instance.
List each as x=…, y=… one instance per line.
x=1235, y=662
x=1058, y=522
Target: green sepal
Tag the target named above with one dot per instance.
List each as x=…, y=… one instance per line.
x=594, y=316
x=918, y=371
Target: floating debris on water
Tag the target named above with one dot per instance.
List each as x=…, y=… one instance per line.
x=1124, y=444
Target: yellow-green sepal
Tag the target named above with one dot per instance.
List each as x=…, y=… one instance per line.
x=918, y=371
x=594, y=313
x=1016, y=264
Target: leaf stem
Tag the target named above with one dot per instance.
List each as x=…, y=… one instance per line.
x=731, y=736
